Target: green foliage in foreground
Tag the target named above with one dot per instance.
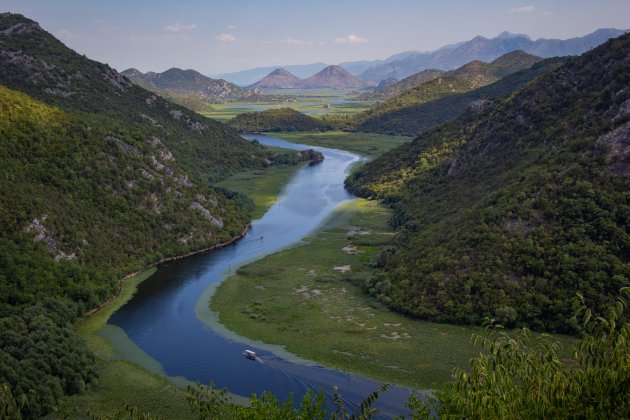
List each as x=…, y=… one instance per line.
x=509, y=212
x=516, y=376
x=523, y=378
x=283, y=119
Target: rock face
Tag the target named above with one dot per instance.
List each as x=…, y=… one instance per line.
x=333, y=77
x=278, y=79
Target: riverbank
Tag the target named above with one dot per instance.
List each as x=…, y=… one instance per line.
x=310, y=299
x=365, y=144
x=262, y=185
x=121, y=381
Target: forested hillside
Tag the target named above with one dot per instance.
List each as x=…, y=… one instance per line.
x=514, y=207
x=99, y=178
x=283, y=119
x=397, y=114
x=416, y=118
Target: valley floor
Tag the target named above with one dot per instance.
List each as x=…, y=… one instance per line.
x=309, y=298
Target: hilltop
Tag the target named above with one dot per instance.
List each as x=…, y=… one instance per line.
x=388, y=88
x=513, y=208
x=180, y=82
x=419, y=117
x=278, y=79
x=283, y=119
x=469, y=77
x=332, y=77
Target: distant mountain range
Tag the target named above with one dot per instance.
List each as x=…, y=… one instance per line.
x=404, y=64
x=192, y=83
x=251, y=76
x=484, y=49
x=331, y=77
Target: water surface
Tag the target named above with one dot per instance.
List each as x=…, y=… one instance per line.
x=163, y=318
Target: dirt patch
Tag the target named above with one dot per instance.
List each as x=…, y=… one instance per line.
x=350, y=249
x=395, y=335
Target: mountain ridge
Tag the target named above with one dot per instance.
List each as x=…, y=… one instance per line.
x=487, y=49
x=192, y=83
x=511, y=209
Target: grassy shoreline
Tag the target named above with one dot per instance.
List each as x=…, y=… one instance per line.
x=122, y=381
x=365, y=144
x=309, y=298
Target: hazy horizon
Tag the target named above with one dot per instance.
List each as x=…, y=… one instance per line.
x=216, y=37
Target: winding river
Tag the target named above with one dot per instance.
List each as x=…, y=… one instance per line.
x=168, y=327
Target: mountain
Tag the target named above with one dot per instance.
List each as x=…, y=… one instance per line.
x=100, y=178
x=416, y=118
x=334, y=77
x=391, y=87
x=277, y=79
x=180, y=82
x=251, y=76
x=463, y=79
x=284, y=119
x=510, y=210
x=484, y=49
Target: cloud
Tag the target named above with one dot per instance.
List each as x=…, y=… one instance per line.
x=292, y=41
x=178, y=27
x=351, y=39
x=231, y=27
x=524, y=9
x=547, y=13
x=225, y=38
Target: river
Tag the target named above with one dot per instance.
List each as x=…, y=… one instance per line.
x=168, y=327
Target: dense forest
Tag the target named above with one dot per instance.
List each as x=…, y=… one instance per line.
x=514, y=207
x=283, y=119
x=100, y=178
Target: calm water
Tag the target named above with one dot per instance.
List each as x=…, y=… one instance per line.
x=161, y=318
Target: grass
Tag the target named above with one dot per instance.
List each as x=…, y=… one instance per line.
x=122, y=381
x=263, y=186
x=296, y=298
x=366, y=144
x=309, y=101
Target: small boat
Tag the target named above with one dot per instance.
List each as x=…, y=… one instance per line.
x=250, y=354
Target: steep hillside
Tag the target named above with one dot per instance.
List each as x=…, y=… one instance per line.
x=37, y=64
x=180, y=82
x=415, y=118
x=477, y=72
x=486, y=50
x=278, y=79
x=507, y=212
x=464, y=79
x=284, y=119
x=334, y=77
x=100, y=178
x=388, y=88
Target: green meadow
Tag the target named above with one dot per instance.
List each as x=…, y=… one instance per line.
x=310, y=298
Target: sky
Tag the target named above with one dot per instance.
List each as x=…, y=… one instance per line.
x=218, y=36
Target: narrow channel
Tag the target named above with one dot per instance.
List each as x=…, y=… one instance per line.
x=162, y=322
